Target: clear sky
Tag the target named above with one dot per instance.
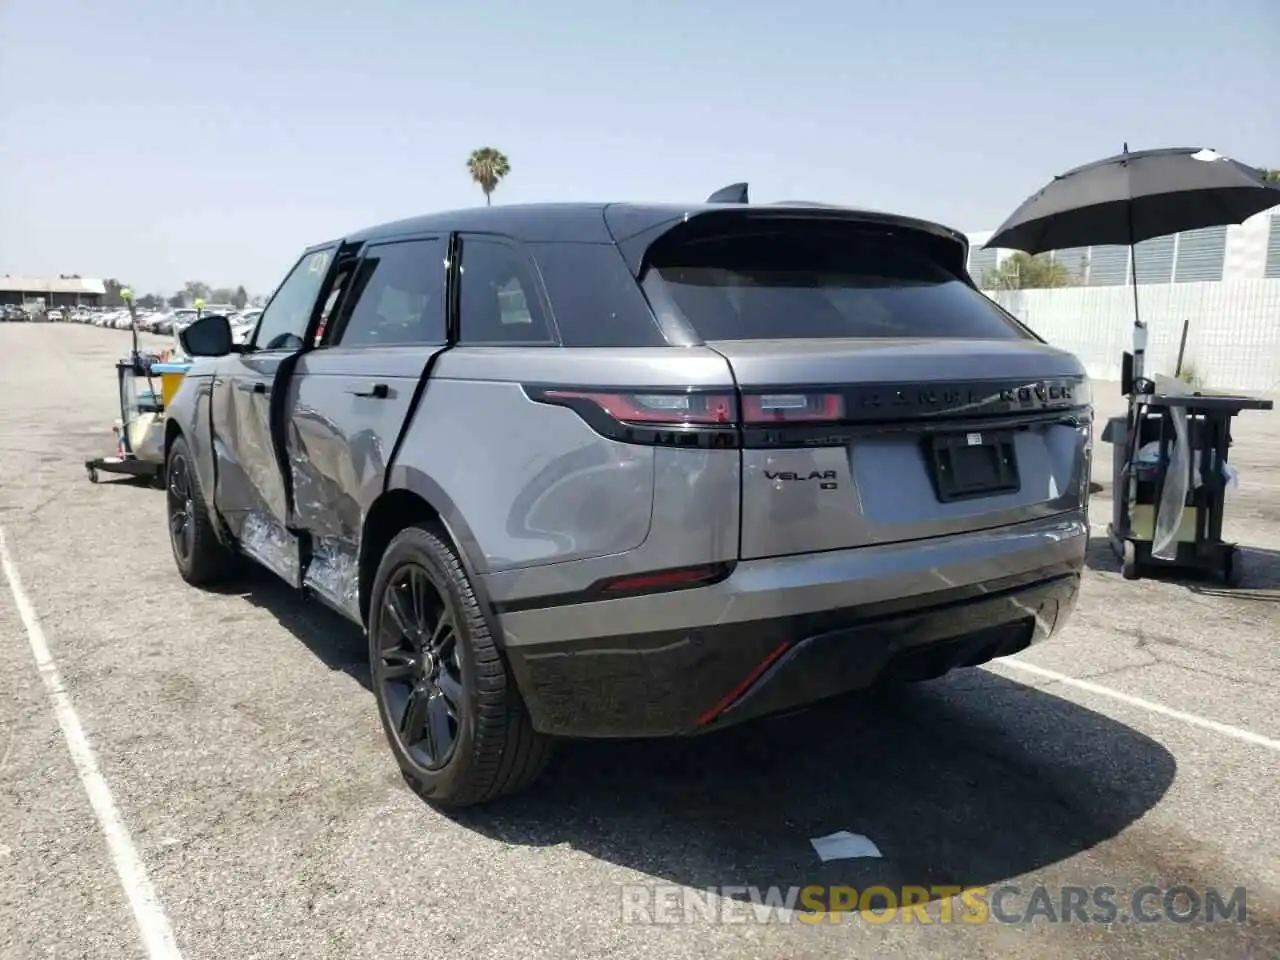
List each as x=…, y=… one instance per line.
x=158, y=141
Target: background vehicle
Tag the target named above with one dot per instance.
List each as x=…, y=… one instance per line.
x=625, y=470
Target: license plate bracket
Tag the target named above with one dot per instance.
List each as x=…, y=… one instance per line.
x=973, y=464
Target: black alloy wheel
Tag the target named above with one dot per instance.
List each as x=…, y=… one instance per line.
x=419, y=668
x=182, y=530
x=451, y=710
x=202, y=557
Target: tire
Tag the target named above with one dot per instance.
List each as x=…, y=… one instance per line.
x=1129, y=565
x=202, y=559
x=470, y=738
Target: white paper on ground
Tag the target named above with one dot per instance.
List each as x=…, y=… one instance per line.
x=843, y=845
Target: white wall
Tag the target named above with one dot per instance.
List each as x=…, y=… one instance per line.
x=1233, y=339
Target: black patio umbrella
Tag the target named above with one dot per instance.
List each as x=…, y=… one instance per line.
x=1132, y=197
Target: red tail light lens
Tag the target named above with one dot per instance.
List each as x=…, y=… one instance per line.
x=671, y=409
x=792, y=408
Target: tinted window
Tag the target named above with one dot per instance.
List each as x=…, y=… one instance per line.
x=498, y=296
x=819, y=283
x=596, y=300
x=399, y=295
x=284, y=322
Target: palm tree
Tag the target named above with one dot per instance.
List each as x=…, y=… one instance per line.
x=487, y=167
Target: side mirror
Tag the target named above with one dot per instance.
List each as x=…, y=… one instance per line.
x=207, y=337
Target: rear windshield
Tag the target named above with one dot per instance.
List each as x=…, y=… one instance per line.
x=793, y=283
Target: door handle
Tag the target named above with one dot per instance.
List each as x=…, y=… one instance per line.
x=377, y=391
x=259, y=387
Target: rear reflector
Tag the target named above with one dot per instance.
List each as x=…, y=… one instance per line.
x=792, y=408
x=666, y=579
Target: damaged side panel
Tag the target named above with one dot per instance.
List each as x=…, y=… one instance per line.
x=346, y=408
x=249, y=490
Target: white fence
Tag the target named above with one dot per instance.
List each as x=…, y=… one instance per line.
x=1233, y=339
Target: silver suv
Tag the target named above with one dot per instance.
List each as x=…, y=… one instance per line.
x=631, y=470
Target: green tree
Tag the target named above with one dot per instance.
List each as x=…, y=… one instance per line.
x=194, y=290
x=179, y=299
x=112, y=297
x=240, y=298
x=487, y=167
x=1272, y=175
x=1021, y=271
x=151, y=301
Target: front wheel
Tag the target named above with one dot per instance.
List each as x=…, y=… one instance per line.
x=201, y=557
x=448, y=706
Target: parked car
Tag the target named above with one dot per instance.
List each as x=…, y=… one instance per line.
x=636, y=470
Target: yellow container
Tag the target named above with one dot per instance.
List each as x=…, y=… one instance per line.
x=1142, y=520
x=169, y=384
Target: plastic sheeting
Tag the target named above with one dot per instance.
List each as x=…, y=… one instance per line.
x=272, y=545
x=1173, y=498
x=334, y=572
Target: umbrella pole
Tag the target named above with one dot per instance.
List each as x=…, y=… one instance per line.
x=1139, y=328
x=1182, y=344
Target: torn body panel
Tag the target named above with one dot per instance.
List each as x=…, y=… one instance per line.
x=248, y=479
x=344, y=412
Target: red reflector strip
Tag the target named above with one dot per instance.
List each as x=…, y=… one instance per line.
x=663, y=580
x=658, y=407
x=727, y=700
x=792, y=407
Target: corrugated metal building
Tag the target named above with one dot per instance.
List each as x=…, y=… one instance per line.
x=1247, y=251
x=59, y=292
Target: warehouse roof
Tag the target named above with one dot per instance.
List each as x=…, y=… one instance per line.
x=84, y=285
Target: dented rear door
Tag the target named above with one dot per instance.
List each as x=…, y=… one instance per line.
x=349, y=398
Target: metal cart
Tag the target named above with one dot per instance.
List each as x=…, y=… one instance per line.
x=140, y=432
x=1138, y=487
x=141, y=416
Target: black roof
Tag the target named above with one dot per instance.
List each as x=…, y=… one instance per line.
x=610, y=222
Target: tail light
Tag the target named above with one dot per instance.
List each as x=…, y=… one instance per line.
x=767, y=408
x=690, y=417
x=673, y=409
x=668, y=418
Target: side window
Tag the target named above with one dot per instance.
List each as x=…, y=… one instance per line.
x=399, y=295
x=498, y=296
x=284, y=323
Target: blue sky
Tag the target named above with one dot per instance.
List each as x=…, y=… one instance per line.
x=167, y=140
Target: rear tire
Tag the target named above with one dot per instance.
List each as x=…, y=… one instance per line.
x=202, y=559
x=448, y=705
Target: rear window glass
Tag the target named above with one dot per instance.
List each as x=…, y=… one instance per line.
x=594, y=296
x=794, y=283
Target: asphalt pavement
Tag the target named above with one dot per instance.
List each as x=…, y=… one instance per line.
x=202, y=774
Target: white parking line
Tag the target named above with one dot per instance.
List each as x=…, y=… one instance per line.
x=153, y=925
x=1225, y=729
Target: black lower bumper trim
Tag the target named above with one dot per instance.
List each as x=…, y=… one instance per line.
x=684, y=682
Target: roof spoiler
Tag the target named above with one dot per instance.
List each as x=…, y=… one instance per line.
x=734, y=193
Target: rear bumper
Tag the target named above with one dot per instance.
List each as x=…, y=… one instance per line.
x=818, y=637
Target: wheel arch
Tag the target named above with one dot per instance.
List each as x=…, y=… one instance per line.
x=411, y=497
x=172, y=431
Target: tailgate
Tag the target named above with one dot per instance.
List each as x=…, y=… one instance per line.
x=883, y=398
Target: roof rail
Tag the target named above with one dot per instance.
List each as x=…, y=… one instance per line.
x=734, y=193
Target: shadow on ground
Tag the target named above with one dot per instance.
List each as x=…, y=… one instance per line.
x=968, y=780
x=1261, y=573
